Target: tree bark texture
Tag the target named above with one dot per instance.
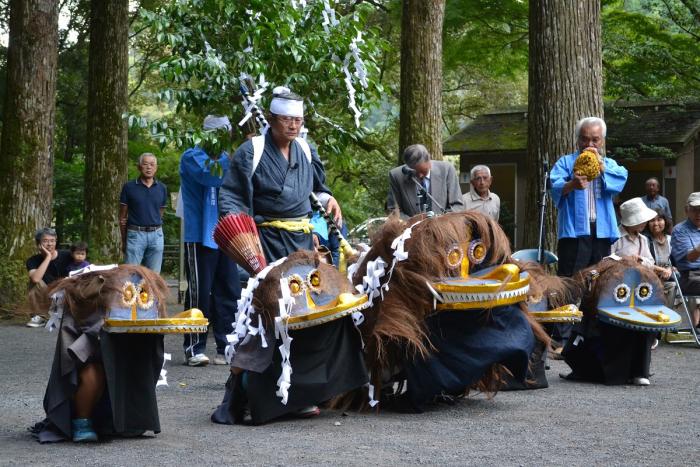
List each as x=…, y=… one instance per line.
x=421, y=75
x=565, y=85
x=106, y=146
x=26, y=147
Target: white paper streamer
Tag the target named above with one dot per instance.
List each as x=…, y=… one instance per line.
x=360, y=73
x=329, y=19
x=242, y=326
x=358, y=318
x=352, y=269
x=55, y=310
x=284, y=382
x=252, y=101
x=163, y=380
x=370, y=394
x=372, y=284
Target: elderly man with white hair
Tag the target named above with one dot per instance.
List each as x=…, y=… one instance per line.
x=480, y=197
x=586, y=216
x=212, y=278
x=587, y=225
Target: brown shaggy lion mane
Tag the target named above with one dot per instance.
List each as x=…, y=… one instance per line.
x=94, y=292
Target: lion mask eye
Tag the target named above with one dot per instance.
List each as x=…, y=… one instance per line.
x=296, y=285
x=477, y=252
x=454, y=257
x=622, y=293
x=644, y=291
x=314, y=280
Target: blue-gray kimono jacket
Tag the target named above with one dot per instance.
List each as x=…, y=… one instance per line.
x=279, y=189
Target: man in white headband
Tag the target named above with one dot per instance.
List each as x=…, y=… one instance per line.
x=212, y=278
x=272, y=177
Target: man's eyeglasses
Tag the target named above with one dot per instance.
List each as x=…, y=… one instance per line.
x=290, y=120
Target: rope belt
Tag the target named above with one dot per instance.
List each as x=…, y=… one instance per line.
x=301, y=225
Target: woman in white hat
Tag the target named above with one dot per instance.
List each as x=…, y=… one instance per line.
x=635, y=216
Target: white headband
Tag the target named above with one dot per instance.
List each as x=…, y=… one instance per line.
x=286, y=107
x=212, y=122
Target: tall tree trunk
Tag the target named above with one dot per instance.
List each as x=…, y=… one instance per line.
x=26, y=147
x=565, y=85
x=421, y=75
x=106, y=146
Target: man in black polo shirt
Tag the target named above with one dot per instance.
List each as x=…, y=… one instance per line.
x=44, y=268
x=142, y=202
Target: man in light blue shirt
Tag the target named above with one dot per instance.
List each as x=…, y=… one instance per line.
x=653, y=199
x=586, y=217
x=685, y=250
x=212, y=278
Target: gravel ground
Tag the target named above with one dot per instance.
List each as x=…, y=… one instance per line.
x=568, y=423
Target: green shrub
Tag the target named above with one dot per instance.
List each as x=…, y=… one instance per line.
x=13, y=287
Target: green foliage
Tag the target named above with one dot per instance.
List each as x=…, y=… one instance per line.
x=485, y=58
x=68, y=191
x=360, y=180
x=633, y=153
x=652, y=49
x=13, y=286
x=288, y=45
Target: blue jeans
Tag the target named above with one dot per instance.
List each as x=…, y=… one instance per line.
x=145, y=248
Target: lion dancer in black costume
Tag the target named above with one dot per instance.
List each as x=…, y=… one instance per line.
x=623, y=311
x=445, y=316
x=271, y=179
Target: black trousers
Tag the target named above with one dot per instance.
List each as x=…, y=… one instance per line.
x=213, y=287
x=576, y=254
x=579, y=253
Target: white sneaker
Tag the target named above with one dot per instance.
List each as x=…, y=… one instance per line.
x=220, y=360
x=36, y=322
x=198, y=360
x=641, y=381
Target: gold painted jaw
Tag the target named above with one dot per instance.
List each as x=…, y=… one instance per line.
x=497, y=286
x=344, y=305
x=563, y=314
x=190, y=321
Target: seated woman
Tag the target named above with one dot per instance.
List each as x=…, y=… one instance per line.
x=634, y=218
x=658, y=232
x=102, y=383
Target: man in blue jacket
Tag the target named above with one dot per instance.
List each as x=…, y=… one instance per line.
x=587, y=226
x=212, y=278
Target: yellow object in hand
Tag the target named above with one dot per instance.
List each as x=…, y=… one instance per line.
x=587, y=164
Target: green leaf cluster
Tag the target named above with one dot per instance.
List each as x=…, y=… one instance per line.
x=652, y=49
x=208, y=44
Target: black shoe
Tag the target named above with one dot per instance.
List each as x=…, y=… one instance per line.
x=569, y=377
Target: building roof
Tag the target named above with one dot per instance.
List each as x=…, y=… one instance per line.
x=628, y=125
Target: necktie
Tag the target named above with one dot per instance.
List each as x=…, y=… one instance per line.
x=427, y=201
